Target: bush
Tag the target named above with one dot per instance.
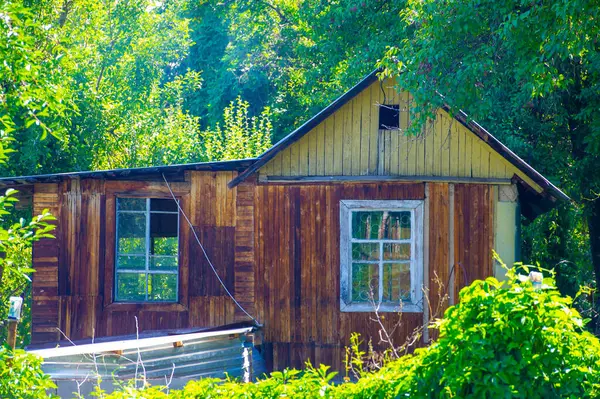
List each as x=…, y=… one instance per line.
x=501, y=341
x=21, y=376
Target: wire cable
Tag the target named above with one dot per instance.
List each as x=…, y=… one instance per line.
x=205, y=254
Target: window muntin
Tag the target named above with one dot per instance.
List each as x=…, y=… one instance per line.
x=147, y=244
x=381, y=255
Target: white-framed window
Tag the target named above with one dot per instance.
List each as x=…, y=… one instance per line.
x=147, y=250
x=381, y=253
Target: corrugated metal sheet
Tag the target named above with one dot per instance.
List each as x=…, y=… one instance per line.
x=179, y=357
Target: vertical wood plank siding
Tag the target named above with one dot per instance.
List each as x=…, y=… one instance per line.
x=275, y=246
x=473, y=233
x=45, y=306
x=297, y=263
x=350, y=143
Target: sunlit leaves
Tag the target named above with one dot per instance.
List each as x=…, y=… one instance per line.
x=33, y=86
x=241, y=135
x=21, y=376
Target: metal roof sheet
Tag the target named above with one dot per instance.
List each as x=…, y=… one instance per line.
x=240, y=164
x=227, y=351
x=127, y=344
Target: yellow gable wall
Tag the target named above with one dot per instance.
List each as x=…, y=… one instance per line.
x=348, y=143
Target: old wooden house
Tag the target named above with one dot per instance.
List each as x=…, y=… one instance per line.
x=344, y=212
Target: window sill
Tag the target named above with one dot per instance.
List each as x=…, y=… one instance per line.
x=383, y=308
x=146, y=306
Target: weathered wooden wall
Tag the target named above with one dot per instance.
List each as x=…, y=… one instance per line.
x=72, y=288
x=297, y=262
x=349, y=143
x=276, y=246
x=46, y=300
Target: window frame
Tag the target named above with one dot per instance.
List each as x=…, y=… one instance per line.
x=416, y=263
x=147, y=256
x=143, y=189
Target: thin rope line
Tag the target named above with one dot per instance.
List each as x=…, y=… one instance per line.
x=205, y=254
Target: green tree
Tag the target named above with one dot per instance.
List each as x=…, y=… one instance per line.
x=529, y=72
x=115, y=58
x=35, y=98
x=291, y=56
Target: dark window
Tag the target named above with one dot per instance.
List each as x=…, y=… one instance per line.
x=389, y=117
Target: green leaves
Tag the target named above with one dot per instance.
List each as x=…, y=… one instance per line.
x=33, y=90
x=15, y=243
x=242, y=136
x=21, y=376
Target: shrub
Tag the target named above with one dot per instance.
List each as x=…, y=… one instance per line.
x=21, y=376
x=501, y=341
x=310, y=383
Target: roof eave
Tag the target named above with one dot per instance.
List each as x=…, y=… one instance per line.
x=305, y=128
x=507, y=153
x=232, y=165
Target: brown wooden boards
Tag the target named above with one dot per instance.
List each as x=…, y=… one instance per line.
x=276, y=247
x=73, y=288
x=297, y=263
x=46, y=252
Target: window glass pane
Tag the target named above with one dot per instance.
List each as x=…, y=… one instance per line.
x=164, y=245
x=163, y=263
x=397, y=225
x=131, y=204
x=379, y=225
x=131, y=233
x=131, y=262
x=163, y=205
x=163, y=233
x=396, y=282
x=162, y=287
x=160, y=229
x=393, y=251
x=365, y=251
x=366, y=225
x=131, y=286
x=365, y=282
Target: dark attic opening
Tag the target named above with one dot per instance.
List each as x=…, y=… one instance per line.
x=389, y=117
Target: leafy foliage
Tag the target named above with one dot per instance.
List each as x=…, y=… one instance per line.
x=241, y=136
x=33, y=93
x=15, y=243
x=511, y=342
x=21, y=376
x=503, y=340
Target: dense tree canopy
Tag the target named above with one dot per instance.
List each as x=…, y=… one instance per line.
x=529, y=72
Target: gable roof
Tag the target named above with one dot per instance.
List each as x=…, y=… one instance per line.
x=550, y=191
